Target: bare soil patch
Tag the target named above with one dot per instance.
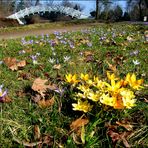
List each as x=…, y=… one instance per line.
x=23, y=33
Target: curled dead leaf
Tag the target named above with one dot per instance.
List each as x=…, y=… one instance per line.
x=111, y=67
x=114, y=135
x=5, y=99
x=127, y=126
x=46, y=103
x=37, y=133
x=78, y=123
x=36, y=98
x=57, y=66
x=88, y=53
x=27, y=144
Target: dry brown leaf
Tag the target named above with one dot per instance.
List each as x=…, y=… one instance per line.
x=27, y=144
x=40, y=86
x=47, y=139
x=36, y=98
x=6, y=99
x=9, y=61
x=76, y=138
x=37, y=133
x=57, y=66
x=78, y=123
x=114, y=135
x=127, y=126
x=13, y=67
x=112, y=67
x=21, y=63
x=88, y=53
x=46, y=103
x=13, y=64
x=125, y=142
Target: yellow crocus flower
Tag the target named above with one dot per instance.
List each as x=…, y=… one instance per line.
x=93, y=96
x=128, y=98
x=107, y=100
x=126, y=93
x=71, y=78
x=114, y=87
x=111, y=76
x=84, y=77
x=82, y=106
x=133, y=82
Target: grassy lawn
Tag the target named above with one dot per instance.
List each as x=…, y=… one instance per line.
x=40, y=110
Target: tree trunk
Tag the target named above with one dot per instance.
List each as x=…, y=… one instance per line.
x=140, y=10
x=37, y=2
x=97, y=9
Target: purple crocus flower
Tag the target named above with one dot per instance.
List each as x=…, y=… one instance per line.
x=56, y=33
x=47, y=35
x=63, y=42
x=2, y=94
x=60, y=91
x=34, y=59
x=52, y=43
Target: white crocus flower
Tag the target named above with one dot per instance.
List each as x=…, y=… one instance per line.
x=136, y=62
x=66, y=58
x=51, y=60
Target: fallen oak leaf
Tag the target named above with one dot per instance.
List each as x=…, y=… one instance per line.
x=9, y=61
x=13, y=64
x=37, y=133
x=40, y=86
x=21, y=63
x=46, y=103
x=78, y=123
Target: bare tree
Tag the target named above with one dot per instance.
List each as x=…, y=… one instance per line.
x=141, y=4
x=37, y=2
x=97, y=9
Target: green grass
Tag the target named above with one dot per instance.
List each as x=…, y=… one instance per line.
x=18, y=118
